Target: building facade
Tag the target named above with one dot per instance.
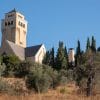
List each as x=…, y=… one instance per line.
x=14, y=34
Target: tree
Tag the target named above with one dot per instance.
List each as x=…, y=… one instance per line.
x=66, y=54
x=22, y=69
x=2, y=69
x=46, y=59
x=49, y=58
x=93, y=44
x=78, y=53
x=87, y=73
x=61, y=62
x=78, y=49
x=88, y=44
x=52, y=58
x=10, y=61
x=41, y=78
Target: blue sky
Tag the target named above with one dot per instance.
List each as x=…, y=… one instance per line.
x=52, y=20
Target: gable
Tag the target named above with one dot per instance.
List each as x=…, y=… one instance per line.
x=32, y=51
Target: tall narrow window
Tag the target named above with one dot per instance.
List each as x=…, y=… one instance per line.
x=5, y=23
x=8, y=23
x=11, y=22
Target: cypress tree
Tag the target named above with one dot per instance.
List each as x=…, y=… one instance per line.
x=52, y=58
x=78, y=53
x=46, y=59
x=66, y=54
x=93, y=44
x=60, y=57
x=88, y=44
x=78, y=49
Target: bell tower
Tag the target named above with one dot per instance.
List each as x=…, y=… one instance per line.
x=14, y=28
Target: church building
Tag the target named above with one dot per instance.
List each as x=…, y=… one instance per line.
x=14, y=33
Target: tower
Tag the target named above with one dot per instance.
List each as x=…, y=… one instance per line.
x=14, y=28
x=71, y=55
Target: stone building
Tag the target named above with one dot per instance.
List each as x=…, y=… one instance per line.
x=14, y=33
x=71, y=55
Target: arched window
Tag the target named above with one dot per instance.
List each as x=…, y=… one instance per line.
x=5, y=23
x=8, y=23
x=11, y=22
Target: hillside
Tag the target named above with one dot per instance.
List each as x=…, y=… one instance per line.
x=68, y=92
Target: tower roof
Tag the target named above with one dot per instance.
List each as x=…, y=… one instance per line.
x=14, y=10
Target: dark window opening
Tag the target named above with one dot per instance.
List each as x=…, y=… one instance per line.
x=18, y=23
x=21, y=24
x=11, y=22
x=5, y=23
x=24, y=25
x=10, y=15
x=21, y=43
x=8, y=23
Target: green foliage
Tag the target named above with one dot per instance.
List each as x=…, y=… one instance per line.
x=88, y=44
x=66, y=54
x=62, y=77
x=49, y=58
x=46, y=59
x=40, y=78
x=22, y=69
x=78, y=49
x=10, y=61
x=61, y=61
x=79, y=53
x=86, y=73
x=2, y=69
x=93, y=44
x=52, y=58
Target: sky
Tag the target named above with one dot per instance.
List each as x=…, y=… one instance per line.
x=51, y=21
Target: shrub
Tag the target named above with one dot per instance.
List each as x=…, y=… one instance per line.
x=41, y=78
x=10, y=61
x=2, y=69
x=62, y=90
x=3, y=86
x=22, y=69
x=62, y=77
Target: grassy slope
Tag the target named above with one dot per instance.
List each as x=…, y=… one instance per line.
x=61, y=93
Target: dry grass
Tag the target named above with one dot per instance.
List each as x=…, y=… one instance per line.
x=68, y=92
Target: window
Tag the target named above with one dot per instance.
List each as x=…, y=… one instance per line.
x=19, y=23
x=5, y=23
x=21, y=43
x=23, y=25
x=11, y=22
x=8, y=23
x=10, y=15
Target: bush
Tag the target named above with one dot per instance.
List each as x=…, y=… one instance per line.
x=62, y=90
x=22, y=69
x=41, y=78
x=10, y=61
x=12, y=86
x=2, y=69
x=3, y=86
x=62, y=77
